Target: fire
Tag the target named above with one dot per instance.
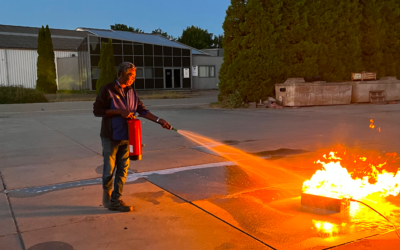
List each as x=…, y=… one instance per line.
x=335, y=181
x=372, y=124
x=326, y=227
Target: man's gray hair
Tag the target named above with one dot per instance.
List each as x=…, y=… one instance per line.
x=123, y=67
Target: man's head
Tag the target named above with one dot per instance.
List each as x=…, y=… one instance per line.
x=126, y=73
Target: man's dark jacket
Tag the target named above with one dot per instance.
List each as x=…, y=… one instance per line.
x=111, y=96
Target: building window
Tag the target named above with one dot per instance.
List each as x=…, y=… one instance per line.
x=139, y=73
x=206, y=71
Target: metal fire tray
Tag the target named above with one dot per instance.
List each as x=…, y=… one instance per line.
x=322, y=202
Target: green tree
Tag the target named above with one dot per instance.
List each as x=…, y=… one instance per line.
x=233, y=36
x=372, y=35
x=258, y=61
x=196, y=37
x=299, y=52
x=390, y=47
x=124, y=27
x=348, y=40
x=108, y=72
x=217, y=41
x=159, y=31
x=46, y=69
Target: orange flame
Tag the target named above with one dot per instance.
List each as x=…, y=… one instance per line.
x=337, y=182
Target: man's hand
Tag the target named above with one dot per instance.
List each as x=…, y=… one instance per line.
x=165, y=124
x=126, y=114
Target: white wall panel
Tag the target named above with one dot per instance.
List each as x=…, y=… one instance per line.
x=3, y=68
x=21, y=66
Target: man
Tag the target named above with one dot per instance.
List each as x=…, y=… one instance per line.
x=116, y=103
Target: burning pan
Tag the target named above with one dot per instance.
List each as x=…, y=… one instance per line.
x=322, y=202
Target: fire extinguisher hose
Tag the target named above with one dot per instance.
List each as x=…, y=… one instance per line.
x=395, y=228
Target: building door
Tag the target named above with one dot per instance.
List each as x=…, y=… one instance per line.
x=177, y=78
x=168, y=78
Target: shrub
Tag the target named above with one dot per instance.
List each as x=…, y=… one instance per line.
x=233, y=100
x=19, y=94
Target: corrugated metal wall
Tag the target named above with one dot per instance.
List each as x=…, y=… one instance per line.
x=18, y=67
x=3, y=68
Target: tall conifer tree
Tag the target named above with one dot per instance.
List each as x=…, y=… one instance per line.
x=51, y=66
x=390, y=47
x=349, y=39
x=259, y=61
x=372, y=35
x=108, y=72
x=298, y=50
x=233, y=36
x=41, y=62
x=46, y=69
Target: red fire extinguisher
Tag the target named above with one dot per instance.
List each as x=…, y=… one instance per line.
x=135, y=140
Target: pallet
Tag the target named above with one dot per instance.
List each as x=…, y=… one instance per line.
x=363, y=76
x=377, y=96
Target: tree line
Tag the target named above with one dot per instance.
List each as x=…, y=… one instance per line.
x=268, y=41
x=192, y=36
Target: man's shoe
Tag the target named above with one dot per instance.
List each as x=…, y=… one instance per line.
x=119, y=206
x=106, y=198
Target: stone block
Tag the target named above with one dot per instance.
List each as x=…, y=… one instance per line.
x=361, y=89
x=313, y=93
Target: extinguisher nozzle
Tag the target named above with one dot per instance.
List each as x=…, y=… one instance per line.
x=174, y=129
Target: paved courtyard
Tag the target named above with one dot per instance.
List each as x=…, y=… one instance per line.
x=184, y=195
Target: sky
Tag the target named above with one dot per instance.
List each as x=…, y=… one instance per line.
x=172, y=16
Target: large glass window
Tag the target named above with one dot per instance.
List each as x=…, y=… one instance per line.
x=148, y=72
x=138, y=61
x=95, y=72
x=149, y=83
x=185, y=52
x=158, y=61
x=177, y=52
x=148, y=49
x=177, y=61
x=167, y=51
x=139, y=84
x=157, y=50
x=94, y=60
x=118, y=60
x=138, y=49
x=159, y=83
x=95, y=48
x=128, y=48
x=158, y=72
x=206, y=71
x=128, y=59
x=117, y=49
x=139, y=73
x=148, y=61
x=167, y=61
x=185, y=61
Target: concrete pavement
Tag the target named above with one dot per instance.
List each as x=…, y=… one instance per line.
x=205, y=207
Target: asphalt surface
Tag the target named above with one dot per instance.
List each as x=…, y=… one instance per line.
x=185, y=196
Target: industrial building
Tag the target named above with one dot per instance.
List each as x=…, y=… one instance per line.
x=161, y=63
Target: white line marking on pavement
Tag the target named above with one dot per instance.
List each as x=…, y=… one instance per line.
x=130, y=178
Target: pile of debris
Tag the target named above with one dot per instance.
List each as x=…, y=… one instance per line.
x=269, y=103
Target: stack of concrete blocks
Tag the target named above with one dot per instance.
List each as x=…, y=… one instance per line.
x=296, y=92
x=389, y=84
